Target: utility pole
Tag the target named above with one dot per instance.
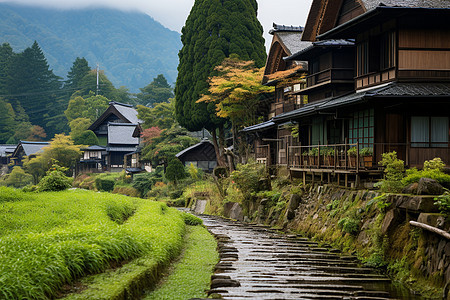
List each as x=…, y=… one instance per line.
x=97, y=80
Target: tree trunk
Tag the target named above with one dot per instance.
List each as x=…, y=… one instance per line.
x=217, y=147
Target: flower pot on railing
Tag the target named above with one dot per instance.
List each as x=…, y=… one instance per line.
x=352, y=153
x=328, y=154
x=312, y=155
x=367, y=157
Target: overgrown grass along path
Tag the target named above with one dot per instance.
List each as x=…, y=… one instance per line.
x=50, y=240
x=190, y=276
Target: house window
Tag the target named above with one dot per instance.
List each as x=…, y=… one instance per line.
x=429, y=131
x=361, y=128
x=388, y=50
x=362, y=58
x=279, y=95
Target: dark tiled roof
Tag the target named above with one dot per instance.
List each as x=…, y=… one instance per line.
x=94, y=148
x=371, y=4
x=308, y=109
x=7, y=149
x=122, y=133
x=258, y=127
x=321, y=44
x=181, y=153
x=134, y=170
x=127, y=111
x=290, y=28
x=413, y=89
x=120, y=149
x=33, y=147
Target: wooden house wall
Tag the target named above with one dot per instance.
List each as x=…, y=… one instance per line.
x=350, y=9
x=424, y=53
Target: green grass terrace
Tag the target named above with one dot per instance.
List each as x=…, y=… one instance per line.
x=81, y=244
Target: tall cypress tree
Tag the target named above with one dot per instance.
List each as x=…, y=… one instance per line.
x=215, y=29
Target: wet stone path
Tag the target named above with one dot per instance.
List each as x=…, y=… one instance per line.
x=259, y=263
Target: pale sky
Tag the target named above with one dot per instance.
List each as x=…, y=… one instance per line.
x=173, y=13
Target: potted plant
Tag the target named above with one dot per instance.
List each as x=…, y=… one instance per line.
x=328, y=154
x=312, y=154
x=352, y=152
x=367, y=156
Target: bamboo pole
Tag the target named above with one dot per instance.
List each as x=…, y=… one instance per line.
x=431, y=228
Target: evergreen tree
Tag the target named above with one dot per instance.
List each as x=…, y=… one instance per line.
x=214, y=30
x=33, y=85
x=79, y=69
x=158, y=91
x=7, y=123
x=6, y=53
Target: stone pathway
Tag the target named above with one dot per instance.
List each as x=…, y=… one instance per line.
x=258, y=263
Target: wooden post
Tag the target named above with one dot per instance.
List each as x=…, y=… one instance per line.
x=357, y=180
x=357, y=157
x=304, y=178
x=346, y=180
x=318, y=156
x=345, y=153
x=321, y=177
x=329, y=178
x=338, y=179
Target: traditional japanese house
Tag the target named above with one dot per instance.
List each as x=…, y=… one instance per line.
x=201, y=155
x=268, y=139
x=26, y=148
x=397, y=98
x=93, y=160
x=6, y=152
x=115, y=129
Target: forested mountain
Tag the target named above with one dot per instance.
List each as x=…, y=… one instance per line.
x=131, y=47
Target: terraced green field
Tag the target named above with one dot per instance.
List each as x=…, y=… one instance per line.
x=51, y=240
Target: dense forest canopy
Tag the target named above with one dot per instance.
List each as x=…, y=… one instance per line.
x=35, y=104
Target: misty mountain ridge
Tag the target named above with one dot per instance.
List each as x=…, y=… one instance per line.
x=130, y=46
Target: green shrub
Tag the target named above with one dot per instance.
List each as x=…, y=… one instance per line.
x=175, y=170
x=55, y=180
x=349, y=225
x=190, y=219
x=143, y=184
x=247, y=177
x=431, y=169
x=443, y=202
x=414, y=175
x=393, y=173
x=18, y=178
x=104, y=184
x=434, y=164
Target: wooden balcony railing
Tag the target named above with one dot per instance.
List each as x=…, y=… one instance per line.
x=330, y=75
x=348, y=156
x=337, y=156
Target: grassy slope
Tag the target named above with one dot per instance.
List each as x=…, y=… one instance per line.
x=191, y=275
x=51, y=239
